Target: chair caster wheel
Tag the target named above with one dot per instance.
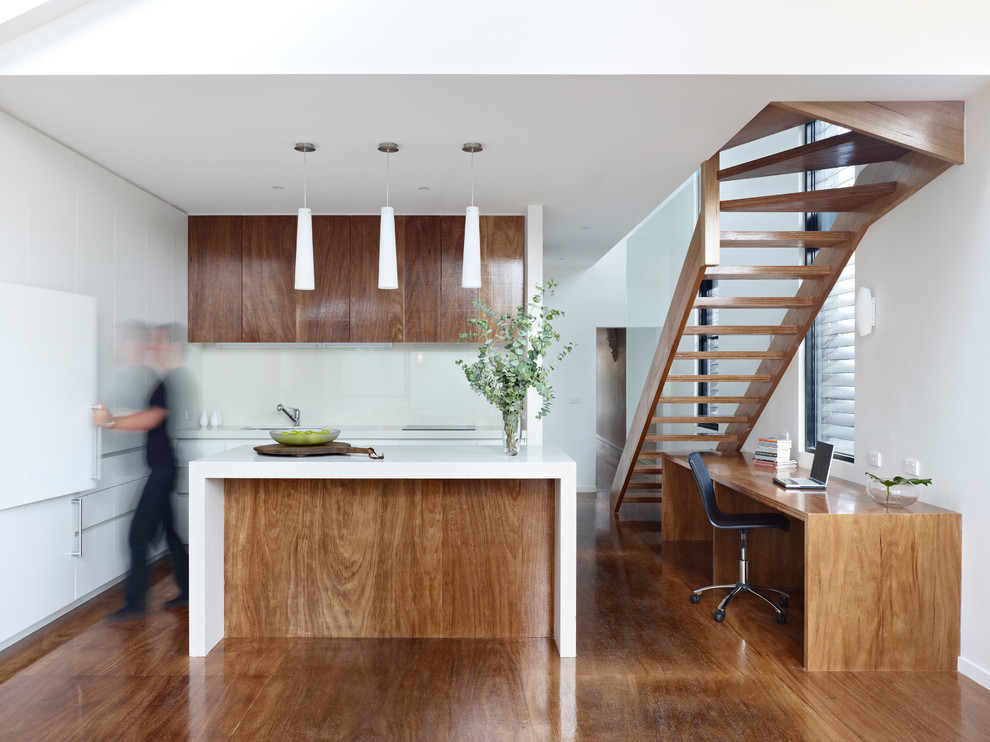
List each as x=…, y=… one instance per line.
x=719, y=616
x=783, y=602
x=781, y=618
x=695, y=598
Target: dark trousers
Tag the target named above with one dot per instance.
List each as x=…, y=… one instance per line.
x=153, y=516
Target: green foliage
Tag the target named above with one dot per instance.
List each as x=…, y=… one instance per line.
x=888, y=483
x=510, y=357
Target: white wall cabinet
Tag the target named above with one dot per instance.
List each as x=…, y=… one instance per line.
x=67, y=224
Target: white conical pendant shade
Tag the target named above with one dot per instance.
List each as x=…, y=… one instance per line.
x=471, y=269
x=388, y=269
x=305, y=280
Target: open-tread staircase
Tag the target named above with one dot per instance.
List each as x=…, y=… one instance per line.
x=900, y=147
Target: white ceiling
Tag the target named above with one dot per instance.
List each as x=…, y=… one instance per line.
x=598, y=151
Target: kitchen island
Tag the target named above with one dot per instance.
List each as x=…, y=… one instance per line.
x=432, y=541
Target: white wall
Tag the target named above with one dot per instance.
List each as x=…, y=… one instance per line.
x=69, y=225
x=591, y=297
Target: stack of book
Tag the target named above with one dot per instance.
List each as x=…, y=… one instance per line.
x=774, y=454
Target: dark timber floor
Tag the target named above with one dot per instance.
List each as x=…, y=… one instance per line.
x=650, y=666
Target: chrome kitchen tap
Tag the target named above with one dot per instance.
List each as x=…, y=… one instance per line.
x=291, y=412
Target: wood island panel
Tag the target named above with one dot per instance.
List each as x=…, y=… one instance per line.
x=323, y=315
x=268, y=298
x=214, y=279
x=376, y=314
x=388, y=558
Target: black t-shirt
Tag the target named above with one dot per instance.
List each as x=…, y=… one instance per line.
x=158, y=452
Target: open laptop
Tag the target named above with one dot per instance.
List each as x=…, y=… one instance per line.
x=820, y=466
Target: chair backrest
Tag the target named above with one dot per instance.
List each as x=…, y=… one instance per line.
x=715, y=516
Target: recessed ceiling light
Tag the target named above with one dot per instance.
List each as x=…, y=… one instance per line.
x=278, y=188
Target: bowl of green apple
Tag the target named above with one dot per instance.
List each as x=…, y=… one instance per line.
x=315, y=435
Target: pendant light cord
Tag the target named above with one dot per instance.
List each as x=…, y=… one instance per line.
x=472, y=178
x=388, y=174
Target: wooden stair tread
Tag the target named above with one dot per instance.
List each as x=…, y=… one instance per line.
x=842, y=150
x=643, y=486
x=717, y=354
x=698, y=419
x=649, y=455
x=642, y=499
x=647, y=469
x=771, y=120
x=753, y=302
x=784, y=239
x=719, y=377
x=686, y=438
x=827, y=200
x=708, y=400
x=741, y=330
x=760, y=272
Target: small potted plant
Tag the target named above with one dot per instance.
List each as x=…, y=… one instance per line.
x=898, y=491
x=511, y=359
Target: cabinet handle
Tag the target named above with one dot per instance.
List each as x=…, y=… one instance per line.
x=78, y=548
x=97, y=452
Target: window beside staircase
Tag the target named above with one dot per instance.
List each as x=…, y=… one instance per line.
x=830, y=347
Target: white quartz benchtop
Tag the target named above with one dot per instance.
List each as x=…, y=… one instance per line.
x=400, y=462
x=349, y=433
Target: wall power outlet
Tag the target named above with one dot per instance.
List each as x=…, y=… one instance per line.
x=912, y=467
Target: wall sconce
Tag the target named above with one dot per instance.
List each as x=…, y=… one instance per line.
x=866, y=311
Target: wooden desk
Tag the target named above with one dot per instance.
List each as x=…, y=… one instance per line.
x=881, y=585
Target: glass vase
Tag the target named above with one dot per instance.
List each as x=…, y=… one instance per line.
x=510, y=431
x=899, y=496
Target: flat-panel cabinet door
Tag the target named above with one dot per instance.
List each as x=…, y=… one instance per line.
x=423, y=252
x=457, y=301
x=376, y=314
x=324, y=315
x=47, y=383
x=502, y=270
x=215, y=279
x=38, y=577
x=268, y=295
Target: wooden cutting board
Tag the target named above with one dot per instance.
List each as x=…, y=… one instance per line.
x=327, y=449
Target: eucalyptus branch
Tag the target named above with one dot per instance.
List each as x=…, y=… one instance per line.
x=512, y=352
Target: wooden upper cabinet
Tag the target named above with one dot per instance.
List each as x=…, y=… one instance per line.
x=422, y=262
x=376, y=314
x=241, y=279
x=268, y=299
x=323, y=315
x=214, y=279
x=502, y=268
x=457, y=304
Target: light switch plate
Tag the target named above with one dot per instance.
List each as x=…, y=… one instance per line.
x=875, y=458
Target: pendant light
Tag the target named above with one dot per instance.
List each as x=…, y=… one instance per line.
x=471, y=267
x=305, y=278
x=388, y=269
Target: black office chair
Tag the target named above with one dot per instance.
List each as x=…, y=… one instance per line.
x=742, y=522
